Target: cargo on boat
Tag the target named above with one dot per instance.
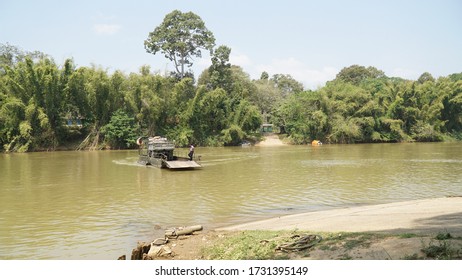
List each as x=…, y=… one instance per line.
x=159, y=151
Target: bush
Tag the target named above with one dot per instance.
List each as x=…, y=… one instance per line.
x=121, y=131
x=233, y=136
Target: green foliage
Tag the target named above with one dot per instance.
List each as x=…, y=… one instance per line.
x=224, y=115
x=38, y=98
x=407, y=235
x=214, y=106
x=180, y=37
x=355, y=74
x=426, y=77
x=286, y=84
x=33, y=105
x=121, y=131
x=440, y=247
x=303, y=117
x=451, y=113
x=220, y=70
x=443, y=236
x=443, y=250
x=181, y=134
x=247, y=245
x=246, y=116
x=233, y=135
x=362, y=105
x=266, y=96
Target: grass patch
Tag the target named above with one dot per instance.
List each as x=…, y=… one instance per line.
x=439, y=248
x=443, y=236
x=442, y=248
x=441, y=251
x=407, y=235
x=263, y=245
x=248, y=245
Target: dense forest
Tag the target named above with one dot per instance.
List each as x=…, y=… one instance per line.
x=46, y=106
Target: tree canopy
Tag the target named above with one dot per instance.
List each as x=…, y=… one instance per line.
x=379, y=109
x=44, y=106
x=180, y=37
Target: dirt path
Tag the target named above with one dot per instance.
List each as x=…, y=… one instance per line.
x=271, y=140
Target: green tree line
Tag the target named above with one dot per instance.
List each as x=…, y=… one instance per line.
x=45, y=106
x=363, y=105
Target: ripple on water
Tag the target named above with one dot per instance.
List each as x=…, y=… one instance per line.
x=92, y=205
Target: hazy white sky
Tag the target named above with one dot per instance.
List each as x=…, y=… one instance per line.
x=310, y=40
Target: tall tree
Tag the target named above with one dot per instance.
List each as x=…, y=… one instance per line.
x=180, y=37
x=425, y=77
x=356, y=74
x=220, y=70
x=34, y=104
x=287, y=85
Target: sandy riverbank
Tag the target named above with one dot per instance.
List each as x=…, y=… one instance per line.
x=271, y=140
x=400, y=230
x=426, y=216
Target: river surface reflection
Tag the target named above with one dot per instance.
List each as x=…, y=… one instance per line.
x=97, y=205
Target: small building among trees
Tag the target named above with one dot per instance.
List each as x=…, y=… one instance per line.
x=267, y=128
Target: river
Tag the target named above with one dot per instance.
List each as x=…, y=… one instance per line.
x=98, y=205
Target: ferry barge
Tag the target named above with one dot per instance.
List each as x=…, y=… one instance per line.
x=159, y=151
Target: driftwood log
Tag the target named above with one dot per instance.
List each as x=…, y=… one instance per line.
x=175, y=232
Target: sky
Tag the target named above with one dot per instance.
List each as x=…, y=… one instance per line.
x=309, y=40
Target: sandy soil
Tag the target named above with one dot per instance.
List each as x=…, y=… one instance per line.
x=419, y=220
x=374, y=248
x=271, y=140
x=424, y=216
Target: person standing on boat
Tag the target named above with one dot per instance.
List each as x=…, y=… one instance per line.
x=191, y=152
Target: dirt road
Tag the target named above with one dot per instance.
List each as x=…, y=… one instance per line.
x=270, y=141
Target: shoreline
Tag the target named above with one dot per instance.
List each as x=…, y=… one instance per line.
x=424, y=229
x=423, y=216
x=270, y=140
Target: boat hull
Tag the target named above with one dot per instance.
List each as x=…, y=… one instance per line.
x=158, y=151
x=178, y=163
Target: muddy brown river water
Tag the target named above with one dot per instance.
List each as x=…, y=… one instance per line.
x=97, y=205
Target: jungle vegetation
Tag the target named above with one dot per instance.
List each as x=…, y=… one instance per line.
x=44, y=106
